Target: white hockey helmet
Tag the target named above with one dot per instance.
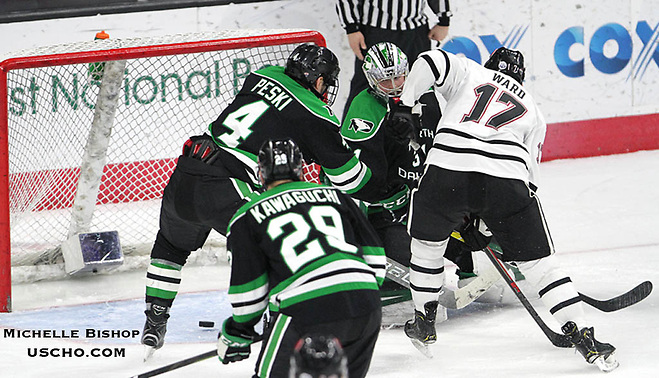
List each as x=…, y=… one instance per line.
x=383, y=64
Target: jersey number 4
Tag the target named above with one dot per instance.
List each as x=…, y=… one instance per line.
x=325, y=219
x=238, y=123
x=484, y=95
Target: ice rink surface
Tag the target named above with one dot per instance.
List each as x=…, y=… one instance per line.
x=603, y=216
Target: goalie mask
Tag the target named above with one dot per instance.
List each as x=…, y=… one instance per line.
x=510, y=62
x=308, y=62
x=385, y=67
x=318, y=356
x=279, y=160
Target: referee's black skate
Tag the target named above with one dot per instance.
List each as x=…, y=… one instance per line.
x=601, y=354
x=153, y=336
x=421, y=329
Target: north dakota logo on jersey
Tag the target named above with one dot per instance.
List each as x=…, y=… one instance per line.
x=359, y=125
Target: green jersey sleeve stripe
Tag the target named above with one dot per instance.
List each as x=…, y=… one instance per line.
x=249, y=295
x=354, y=186
x=253, y=285
x=347, y=286
x=322, y=266
x=246, y=313
x=344, y=172
x=376, y=259
x=247, y=318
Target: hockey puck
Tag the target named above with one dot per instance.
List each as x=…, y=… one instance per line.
x=206, y=324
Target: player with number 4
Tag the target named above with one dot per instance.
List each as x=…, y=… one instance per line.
x=216, y=173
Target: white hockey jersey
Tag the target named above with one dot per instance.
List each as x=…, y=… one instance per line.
x=490, y=124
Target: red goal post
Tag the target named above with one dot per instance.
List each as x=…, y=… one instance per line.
x=61, y=119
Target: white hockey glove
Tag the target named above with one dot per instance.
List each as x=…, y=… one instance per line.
x=234, y=343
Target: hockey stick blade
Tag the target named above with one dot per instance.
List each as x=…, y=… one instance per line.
x=556, y=339
x=633, y=296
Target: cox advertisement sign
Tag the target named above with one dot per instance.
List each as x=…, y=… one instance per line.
x=609, y=34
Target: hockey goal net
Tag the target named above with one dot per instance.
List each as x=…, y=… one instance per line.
x=90, y=132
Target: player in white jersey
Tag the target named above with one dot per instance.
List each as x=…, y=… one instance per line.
x=484, y=161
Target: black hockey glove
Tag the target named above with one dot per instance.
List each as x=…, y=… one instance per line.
x=401, y=123
x=396, y=206
x=201, y=147
x=475, y=233
x=234, y=342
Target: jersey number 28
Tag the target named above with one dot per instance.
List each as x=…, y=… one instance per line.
x=325, y=219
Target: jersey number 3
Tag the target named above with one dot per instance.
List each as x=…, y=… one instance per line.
x=484, y=95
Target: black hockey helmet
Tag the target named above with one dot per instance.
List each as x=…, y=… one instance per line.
x=510, y=62
x=318, y=355
x=308, y=62
x=279, y=160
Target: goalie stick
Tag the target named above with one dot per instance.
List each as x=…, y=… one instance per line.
x=448, y=298
x=557, y=339
x=463, y=296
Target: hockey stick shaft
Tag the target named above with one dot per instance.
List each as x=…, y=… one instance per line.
x=556, y=339
x=179, y=364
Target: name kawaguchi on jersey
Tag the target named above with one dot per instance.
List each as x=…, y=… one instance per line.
x=509, y=84
x=286, y=200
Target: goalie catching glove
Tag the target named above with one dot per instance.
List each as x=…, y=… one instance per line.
x=475, y=233
x=401, y=122
x=234, y=342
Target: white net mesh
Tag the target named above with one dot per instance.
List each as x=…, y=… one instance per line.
x=162, y=100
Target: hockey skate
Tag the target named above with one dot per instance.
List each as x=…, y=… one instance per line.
x=153, y=336
x=421, y=329
x=601, y=354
